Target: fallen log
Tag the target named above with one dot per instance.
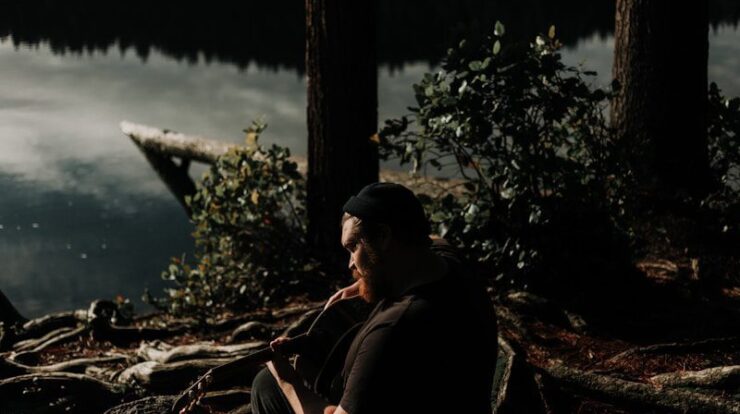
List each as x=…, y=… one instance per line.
x=173, y=143
x=57, y=393
x=164, y=353
x=175, y=177
x=632, y=394
x=725, y=378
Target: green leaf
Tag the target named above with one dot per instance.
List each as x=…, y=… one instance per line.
x=475, y=65
x=462, y=87
x=471, y=213
x=551, y=32
x=496, y=47
x=499, y=29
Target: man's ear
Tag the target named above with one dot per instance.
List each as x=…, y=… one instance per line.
x=385, y=235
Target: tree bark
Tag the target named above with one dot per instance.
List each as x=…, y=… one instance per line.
x=660, y=115
x=342, y=114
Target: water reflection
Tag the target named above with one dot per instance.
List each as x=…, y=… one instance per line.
x=62, y=248
x=104, y=223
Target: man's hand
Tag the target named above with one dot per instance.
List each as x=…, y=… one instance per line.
x=275, y=343
x=345, y=293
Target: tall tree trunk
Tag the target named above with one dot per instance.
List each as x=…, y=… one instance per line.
x=342, y=113
x=660, y=60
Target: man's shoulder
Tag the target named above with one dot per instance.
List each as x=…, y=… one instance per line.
x=387, y=313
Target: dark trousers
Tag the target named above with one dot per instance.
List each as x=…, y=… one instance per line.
x=267, y=397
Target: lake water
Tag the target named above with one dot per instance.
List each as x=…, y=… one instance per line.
x=83, y=216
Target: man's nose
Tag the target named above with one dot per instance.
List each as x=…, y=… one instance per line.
x=351, y=263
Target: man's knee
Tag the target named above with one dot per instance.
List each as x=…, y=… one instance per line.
x=266, y=395
x=263, y=382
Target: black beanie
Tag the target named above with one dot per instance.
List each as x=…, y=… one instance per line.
x=392, y=204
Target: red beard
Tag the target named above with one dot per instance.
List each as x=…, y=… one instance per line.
x=371, y=286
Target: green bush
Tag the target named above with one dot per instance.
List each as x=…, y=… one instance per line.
x=528, y=136
x=249, y=219
x=724, y=158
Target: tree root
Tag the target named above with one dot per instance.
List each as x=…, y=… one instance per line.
x=165, y=353
x=28, y=344
x=63, y=336
x=57, y=392
x=43, y=325
x=725, y=378
x=633, y=394
x=10, y=368
x=175, y=376
x=676, y=347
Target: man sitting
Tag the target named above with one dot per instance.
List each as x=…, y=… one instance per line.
x=430, y=343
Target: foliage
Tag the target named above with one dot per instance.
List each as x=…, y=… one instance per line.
x=724, y=155
x=248, y=211
x=528, y=137
x=724, y=137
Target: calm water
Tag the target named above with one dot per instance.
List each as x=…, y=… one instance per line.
x=82, y=215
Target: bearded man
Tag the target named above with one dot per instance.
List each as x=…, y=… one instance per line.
x=430, y=343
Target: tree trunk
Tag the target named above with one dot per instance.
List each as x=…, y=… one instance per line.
x=342, y=114
x=660, y=60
